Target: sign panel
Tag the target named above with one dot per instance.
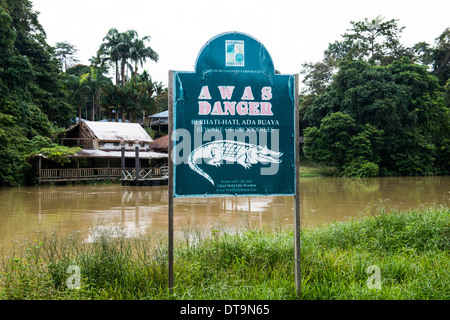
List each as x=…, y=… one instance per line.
x=233, y=123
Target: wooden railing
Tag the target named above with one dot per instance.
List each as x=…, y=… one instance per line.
x=146, y=173
x=53, y=175
x=49, y=175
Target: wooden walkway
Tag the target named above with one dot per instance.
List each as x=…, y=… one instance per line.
x=156, y=176
x=147, y=176
x=80, y=174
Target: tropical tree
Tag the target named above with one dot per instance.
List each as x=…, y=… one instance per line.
x=96, y=82
x=147, y=99
x=339, y=141
x=125, y=52
x=122, y=48
x=441, y=57
x=65, y=53
x=402, y=100
x=160, y=90
x=31, y=100
x=373, y=40
x=129, y=101
x=78, y=91
x=109, y=51
x=109, y=101
x=139, y=52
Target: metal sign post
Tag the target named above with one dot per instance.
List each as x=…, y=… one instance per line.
x=297, y=267
x=233, y=129
x=170, y=182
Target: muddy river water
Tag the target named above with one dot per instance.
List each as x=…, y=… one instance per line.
x=27, y=210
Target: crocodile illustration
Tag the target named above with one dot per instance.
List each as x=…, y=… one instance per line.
x=232, y=151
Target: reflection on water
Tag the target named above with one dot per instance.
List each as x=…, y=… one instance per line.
x=80, y=207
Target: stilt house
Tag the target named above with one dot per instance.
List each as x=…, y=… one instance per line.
x=108, y=148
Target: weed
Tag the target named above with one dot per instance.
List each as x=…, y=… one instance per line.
x=410, y=250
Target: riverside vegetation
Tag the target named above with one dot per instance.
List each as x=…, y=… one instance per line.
x=409, y=248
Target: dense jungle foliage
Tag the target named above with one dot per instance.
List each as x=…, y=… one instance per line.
x=374, y=107
x=370, y=107
x=43, y=91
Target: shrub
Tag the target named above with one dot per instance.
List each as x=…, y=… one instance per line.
x=360, y=168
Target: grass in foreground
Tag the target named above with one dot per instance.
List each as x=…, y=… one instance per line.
x=309, y=168
x=409, y=248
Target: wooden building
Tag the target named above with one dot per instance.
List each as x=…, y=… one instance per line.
x=160, y=144
x=160, y=121
x=111, y=150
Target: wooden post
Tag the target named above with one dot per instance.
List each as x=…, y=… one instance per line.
x=298, y=280
x=136, y=163
x=40, y=169
x=170, y=182
x=122, y=162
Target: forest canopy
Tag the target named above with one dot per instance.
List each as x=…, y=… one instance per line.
x=375, y=107
x=43, y=90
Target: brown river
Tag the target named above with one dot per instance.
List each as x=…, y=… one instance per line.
x=67, y=208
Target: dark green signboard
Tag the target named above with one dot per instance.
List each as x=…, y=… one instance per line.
x=233, y=122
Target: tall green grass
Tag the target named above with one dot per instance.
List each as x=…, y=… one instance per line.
x=309, y=168
x=411, y=250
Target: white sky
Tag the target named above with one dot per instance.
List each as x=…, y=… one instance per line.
x=293, y=31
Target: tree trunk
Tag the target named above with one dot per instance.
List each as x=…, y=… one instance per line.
x=117, y=73
x=145, y=119
x=123, y=72
x=93, y=107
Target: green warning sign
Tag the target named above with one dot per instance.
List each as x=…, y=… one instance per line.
x=233, y=122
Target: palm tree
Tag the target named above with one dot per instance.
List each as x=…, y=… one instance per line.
x=120, y=47
x=78, y=91
x=109, y=100
x=160, y=89
x=96, y=82
x=139, y=52
x=149, y=92
x=108, y=51
x=146, y=91
x=129, y=101
x=124, y=47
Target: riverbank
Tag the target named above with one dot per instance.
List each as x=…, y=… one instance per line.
x=309, y=168
x=391, y=255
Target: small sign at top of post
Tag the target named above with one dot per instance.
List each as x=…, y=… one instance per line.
x=233, y=128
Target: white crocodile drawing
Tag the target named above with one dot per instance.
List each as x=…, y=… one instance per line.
x=232, y=151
